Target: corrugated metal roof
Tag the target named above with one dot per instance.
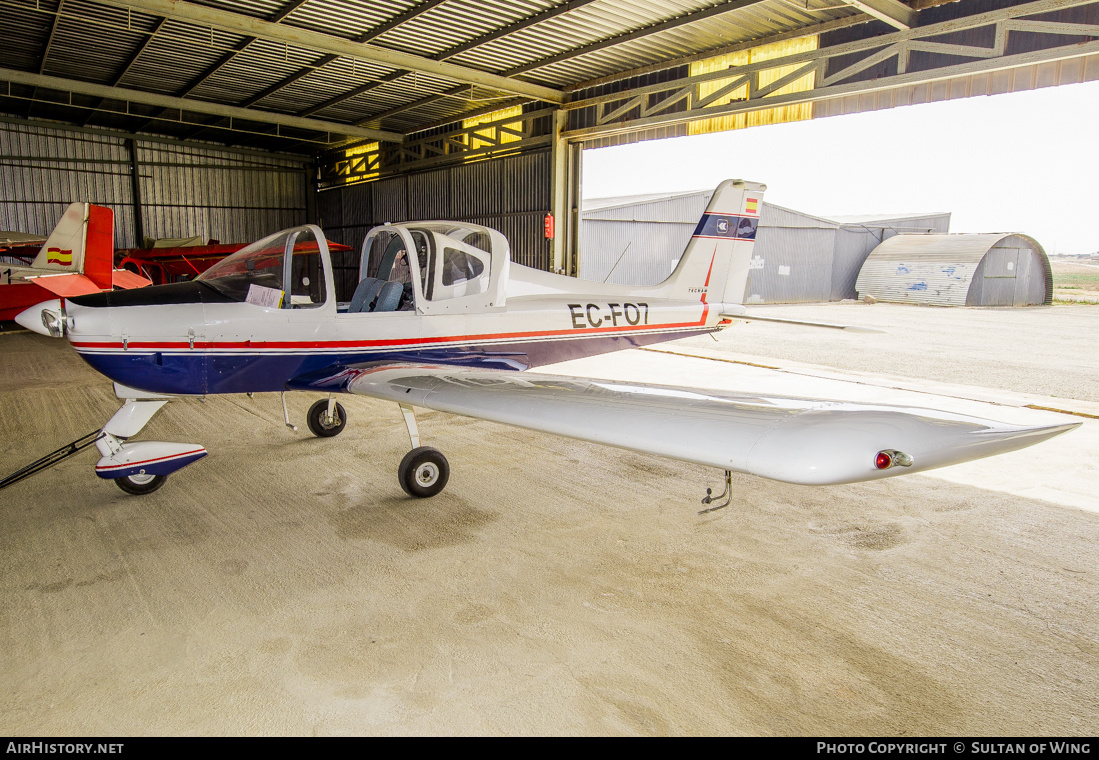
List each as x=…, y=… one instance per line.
x=776, y=215
x=964, y=247
x=551, y=42
x=867, y=218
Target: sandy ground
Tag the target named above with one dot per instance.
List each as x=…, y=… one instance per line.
x=286, y=585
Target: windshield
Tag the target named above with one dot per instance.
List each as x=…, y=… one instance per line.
x=260, y=273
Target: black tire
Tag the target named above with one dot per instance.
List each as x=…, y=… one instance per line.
x=423, y=472
x=139, y=485
x=316, y=421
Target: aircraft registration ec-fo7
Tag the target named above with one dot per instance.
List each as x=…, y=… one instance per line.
x=443, y=319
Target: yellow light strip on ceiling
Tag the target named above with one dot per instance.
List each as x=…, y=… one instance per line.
x=494, y=132
x=775, y=115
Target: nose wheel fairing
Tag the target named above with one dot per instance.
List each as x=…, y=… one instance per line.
x=146, y=458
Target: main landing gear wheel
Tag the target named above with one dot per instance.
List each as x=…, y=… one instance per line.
x=141, y=483
x=323, y=426
x=424, y=472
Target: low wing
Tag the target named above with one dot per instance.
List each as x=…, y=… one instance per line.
x=789, y=439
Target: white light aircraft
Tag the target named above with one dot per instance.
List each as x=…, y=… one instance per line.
x=443, y=319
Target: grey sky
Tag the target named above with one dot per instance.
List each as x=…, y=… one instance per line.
x=1022, y=162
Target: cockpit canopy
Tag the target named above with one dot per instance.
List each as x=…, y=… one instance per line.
x=429, y=267
x=456, y=267
x=261, y=273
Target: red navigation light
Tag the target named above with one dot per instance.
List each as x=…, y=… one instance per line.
x=884, y=460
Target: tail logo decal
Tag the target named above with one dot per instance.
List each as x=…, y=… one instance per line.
x=59, y=256
x=727, y=227
x=751, y=205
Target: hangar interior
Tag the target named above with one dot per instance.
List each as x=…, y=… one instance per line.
x=228, y=120
x=313, y=599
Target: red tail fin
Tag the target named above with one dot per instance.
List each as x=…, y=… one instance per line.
x=99, y=247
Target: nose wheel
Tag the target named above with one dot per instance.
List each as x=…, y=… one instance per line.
x=140, y=484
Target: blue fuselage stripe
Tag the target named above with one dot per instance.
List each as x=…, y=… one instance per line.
x=201, y=372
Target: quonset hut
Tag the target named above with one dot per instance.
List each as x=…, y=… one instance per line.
x=999, y=269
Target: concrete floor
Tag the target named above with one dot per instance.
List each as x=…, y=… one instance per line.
x=286, y=585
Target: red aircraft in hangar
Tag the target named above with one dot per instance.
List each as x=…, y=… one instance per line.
x=77, y=259
x=171, y=263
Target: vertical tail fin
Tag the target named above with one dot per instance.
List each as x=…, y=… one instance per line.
x=83, y=242
x=715, y=262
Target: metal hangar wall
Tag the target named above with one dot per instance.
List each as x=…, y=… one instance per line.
x=177, y=190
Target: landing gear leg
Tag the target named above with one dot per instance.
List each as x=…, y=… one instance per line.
x=727, y=494
x=424, y=471
x=286, y=414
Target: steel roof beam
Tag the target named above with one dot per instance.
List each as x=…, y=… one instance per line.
x=451, y=52
x=225, y=59
x=843, y=90
x=304, y=71
x=663, y=26
x=892, y=12
x=46, y=51
x=126, y=69
x=194, y=106
x=807, y=31
x=400, y=18
x=325, y=60
x=646, y=31
x=49, y=40
x=326, y=43
x=240, y=48
x=897, y=45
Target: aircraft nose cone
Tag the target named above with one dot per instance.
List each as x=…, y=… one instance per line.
x=31, y=318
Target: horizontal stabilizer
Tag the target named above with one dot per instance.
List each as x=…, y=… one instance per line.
x=124, y=278
x=794, y=440
x=65, y=285
x=835, y=326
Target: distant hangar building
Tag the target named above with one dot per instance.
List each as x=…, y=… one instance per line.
x=998, y=269
x=798, y=257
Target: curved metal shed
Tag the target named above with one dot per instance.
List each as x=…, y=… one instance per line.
x=999, y=269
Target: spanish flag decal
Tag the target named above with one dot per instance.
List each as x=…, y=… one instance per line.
x=751, y=205
x=58, y=256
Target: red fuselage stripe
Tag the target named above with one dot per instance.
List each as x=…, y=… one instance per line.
x=353, y=344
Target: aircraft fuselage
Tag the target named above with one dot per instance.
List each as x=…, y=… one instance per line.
x=207, y=348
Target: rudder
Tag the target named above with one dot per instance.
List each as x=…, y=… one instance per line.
x=714, y=265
